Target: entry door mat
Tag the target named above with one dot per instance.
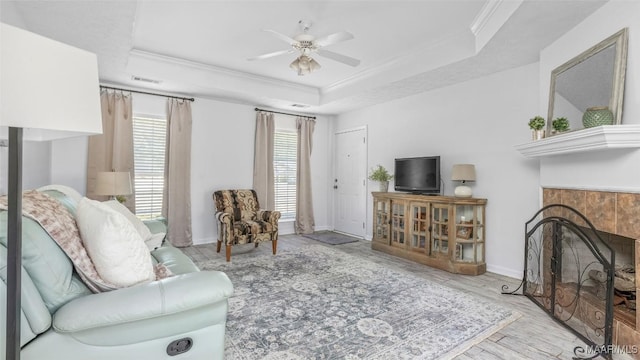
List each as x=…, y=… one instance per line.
x=330, y=237
x=321, y=303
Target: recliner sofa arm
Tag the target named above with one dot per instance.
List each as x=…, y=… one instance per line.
x=157, y=306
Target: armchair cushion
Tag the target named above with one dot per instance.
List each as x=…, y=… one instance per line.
x=248, y=227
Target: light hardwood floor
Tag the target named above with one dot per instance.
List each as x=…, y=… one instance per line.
x=533, y=336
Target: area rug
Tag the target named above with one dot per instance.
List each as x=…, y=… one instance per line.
x=321, y=303
x=330, y=237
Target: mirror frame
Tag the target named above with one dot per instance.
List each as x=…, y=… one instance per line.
x=620, y=40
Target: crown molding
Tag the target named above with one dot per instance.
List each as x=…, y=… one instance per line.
x=490, y=19
x=219, y=70
x=405, y=60
x=484, y=16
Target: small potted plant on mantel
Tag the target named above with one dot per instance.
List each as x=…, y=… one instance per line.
x=560, y=125
x=537, y=125
x=381, y=175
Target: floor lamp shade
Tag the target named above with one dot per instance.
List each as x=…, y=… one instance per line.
x=464, y=173
x=49, y=90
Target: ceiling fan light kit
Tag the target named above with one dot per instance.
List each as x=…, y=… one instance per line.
x=304, y=65
x=306, y=44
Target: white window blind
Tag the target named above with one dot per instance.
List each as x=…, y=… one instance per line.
x=284, y=172
x=149, y=139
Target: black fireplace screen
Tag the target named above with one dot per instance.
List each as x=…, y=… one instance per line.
x=569, y=273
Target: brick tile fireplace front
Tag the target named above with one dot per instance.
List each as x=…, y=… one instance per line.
x=617, y=216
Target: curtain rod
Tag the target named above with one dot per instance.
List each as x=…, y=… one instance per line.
x=147, y=93
x=283, y=113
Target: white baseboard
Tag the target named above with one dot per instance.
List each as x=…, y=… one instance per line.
x=286, y=227
x=208, y=240
x=500, y=270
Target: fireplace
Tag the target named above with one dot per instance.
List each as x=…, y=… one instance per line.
x=576, y=275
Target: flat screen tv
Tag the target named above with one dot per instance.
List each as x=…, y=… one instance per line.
x=418, y=175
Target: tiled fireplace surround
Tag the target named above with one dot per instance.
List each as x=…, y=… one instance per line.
x=615, y=213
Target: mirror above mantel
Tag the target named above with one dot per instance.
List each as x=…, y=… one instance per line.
x=593, y=79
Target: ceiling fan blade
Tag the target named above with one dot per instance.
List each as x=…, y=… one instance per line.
x=283, y=37
x=339, y=57
x=334, y=38
x=266, y=56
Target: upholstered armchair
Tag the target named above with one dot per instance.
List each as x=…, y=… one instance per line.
x=241, y=221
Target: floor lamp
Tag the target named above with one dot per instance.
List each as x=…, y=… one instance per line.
x=50, y=91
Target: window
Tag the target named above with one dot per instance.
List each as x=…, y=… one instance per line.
x=284, y=172
x=149, y=139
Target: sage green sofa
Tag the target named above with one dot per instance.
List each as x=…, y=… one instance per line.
x=62, y=319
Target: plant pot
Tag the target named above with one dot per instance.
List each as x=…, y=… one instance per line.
x=596, y=116
x=384, y=186
x=537, y=134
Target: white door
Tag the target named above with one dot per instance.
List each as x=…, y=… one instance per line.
x=350, y=182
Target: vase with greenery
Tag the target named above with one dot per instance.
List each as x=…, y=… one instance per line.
x=560, y=124
x=381, y=175
x=537, y=125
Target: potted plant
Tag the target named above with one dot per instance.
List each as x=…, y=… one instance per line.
x=537, y=125
x=381, y=175
x=560, y=124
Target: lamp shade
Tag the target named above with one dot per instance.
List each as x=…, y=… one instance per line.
x=113, y=183
x=48, y=88
x=304, y=65
x=463, y=172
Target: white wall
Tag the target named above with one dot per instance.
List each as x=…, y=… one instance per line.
x=221, y=157
x=69, y=163
x=36, y=165
x=606, y=170
x=476, y=122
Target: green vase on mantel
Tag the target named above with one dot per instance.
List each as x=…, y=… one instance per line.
x=596, y=116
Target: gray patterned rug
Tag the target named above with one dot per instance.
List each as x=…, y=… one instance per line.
x=325, y=304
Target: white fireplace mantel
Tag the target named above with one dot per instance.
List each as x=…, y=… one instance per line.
x=595, y=138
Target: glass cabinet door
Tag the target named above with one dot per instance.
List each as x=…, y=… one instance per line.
x=397, y=223
x=469, y=236
x=439, y=229
x=418, y=231
x=381, y=220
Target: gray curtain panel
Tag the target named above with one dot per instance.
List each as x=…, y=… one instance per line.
x=305, y=223
x=176, y=199
x=113, y=150
x=263, y=178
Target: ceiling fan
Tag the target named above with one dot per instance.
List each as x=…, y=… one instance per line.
x=307, y=44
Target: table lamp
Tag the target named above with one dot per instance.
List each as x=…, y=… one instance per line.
x=464, y=173
x=49, y=91
x=114, y=184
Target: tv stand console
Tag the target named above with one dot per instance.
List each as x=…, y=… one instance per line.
x=445, y=232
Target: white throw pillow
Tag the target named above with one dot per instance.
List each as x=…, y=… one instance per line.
x=115, y=247
x=142, y=229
